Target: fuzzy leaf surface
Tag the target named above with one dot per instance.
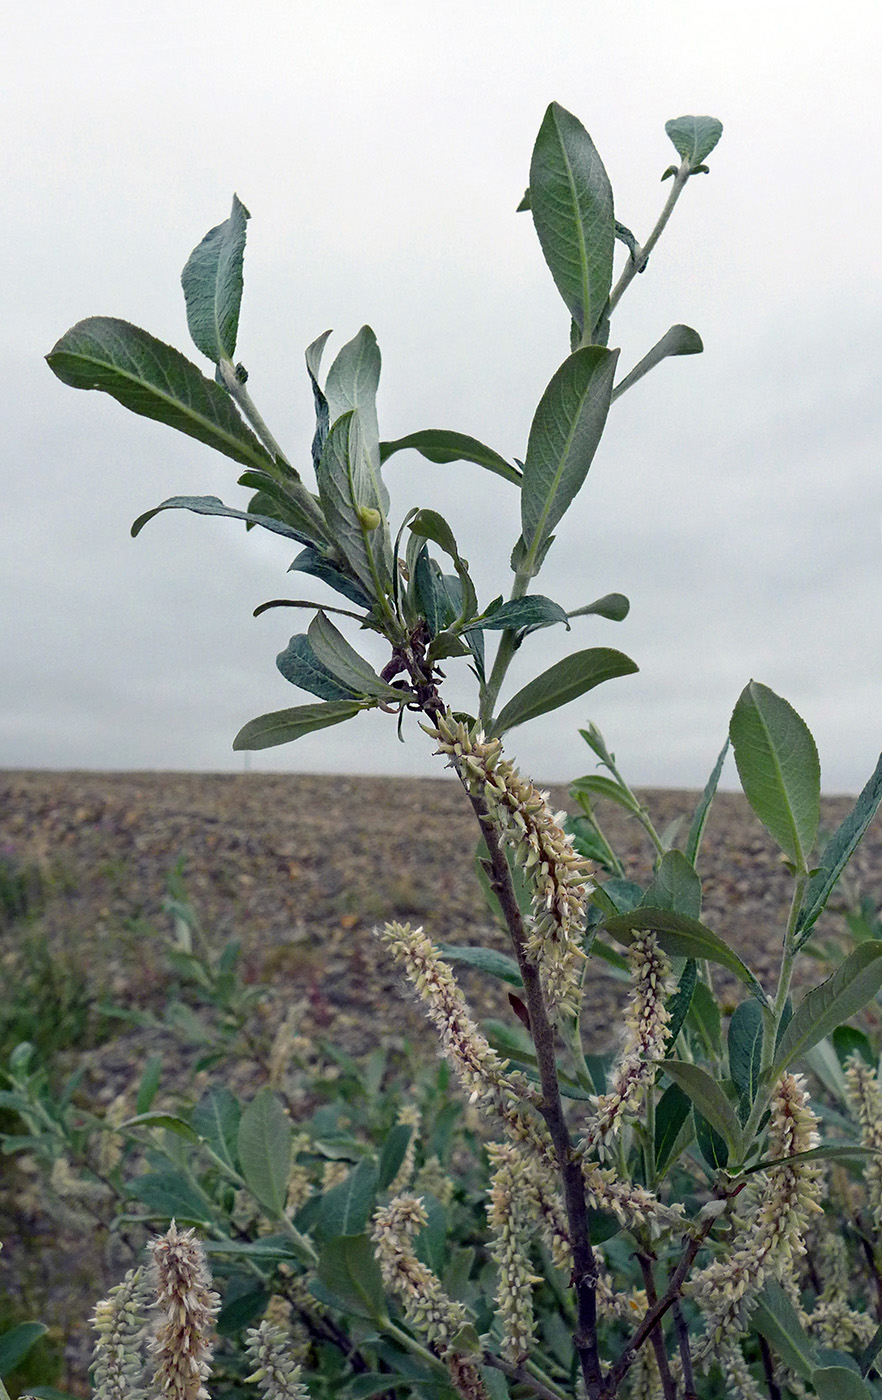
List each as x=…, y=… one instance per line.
x=347, y=1207
x=442, y=446
x=212, y=282
x=347, y=1268
x=614, y=606
x=851, y=987
x=352, y=382
x=16, y=1342
x=155, y=381
x=564, y=436
x=572, y=205
x=300, y=666
x=346, y=488
x=776, y=1319
x=213, y=505
x=702, y=811
x=709, y=1099
x=564, y=681
x=777, y=762
x=837, y=853
x=746, y=1048
x=694, y=137
x=333, y=651
x=265, y=1142
x=484, y=959
x=679, y=340
x=311, y=561
x=532, y=611
x=284, y=726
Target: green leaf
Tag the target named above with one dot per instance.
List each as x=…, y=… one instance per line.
x=778, y=766
x=394, y=1151
x=680, y=1002
x=564, y=681
x=684, y=938
x=564, y=436
x=572, y=204
x=699, y=819
x=485, y=960
x=709, y=1099
x=352, y=384
x=16, y=1342
x=332, y=651
x=531, y=612
x=851, y=987
x=614, y=606
x=170, y=1196
x=156, y=381
x=674, y=886
x=429, y=525
x=694, y=137
x=746, y=1048
x=311, y=561
x=837, y=853
x=284, y=726
x=169, y=1121
x=839, y=1383
x=322, y=413
x=299, y=664
x=216, y=1119
x=439, y=445
x=213, y=505
x=348, y=497
x=264, y=1144
x=595, y=785
x=149, y=1084
x=704, y=1017
x=830, y=1152
x=848, y=1040
x=712, y=1147
x=212, y=282
x=346, y=1208
x=348, y=1268
x=679, y=340
x=671, y=1113
x=269, y=1247
x=776, y=1319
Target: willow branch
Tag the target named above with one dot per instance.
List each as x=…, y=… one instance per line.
x=551, y=1108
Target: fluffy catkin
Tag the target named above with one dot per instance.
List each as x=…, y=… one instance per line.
x=182, y=1340
x=120, y=1324
x=558, y=878
x=772, y=1224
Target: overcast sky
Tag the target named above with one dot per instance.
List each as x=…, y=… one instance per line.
x=382, y=150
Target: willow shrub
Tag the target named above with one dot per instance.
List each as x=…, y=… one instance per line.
x=670, y=1224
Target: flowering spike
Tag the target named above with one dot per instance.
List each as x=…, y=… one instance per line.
x=120, y=1325
x=188, y=1306
x=559, y=878
x=646, y=1023
x=508, y=1220
x=277, y=1375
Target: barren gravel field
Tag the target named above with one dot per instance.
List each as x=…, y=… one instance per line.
x=300, y=869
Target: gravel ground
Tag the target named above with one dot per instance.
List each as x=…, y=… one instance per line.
x=300, y=869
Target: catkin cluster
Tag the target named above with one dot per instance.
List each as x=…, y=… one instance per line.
x=772, y=1224
x=559, y=879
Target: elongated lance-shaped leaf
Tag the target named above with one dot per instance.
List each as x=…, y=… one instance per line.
x=776, y=1319
x=213, y=505
x=299, y=664
x=332, y=651
x=284, y=726
x=322, y=412
x=745, y=1044
x=352, y=383
x=709, y=1099
x=572, y=204
x=347, y=1207
x=851, y=987
x=429, y=525
x=265, y=1142
x=531, y=612
x=778, y=765
x=442, y=446
x=682, y=937
x=354, y=513
x=212, y=282
x=675, y=886
x=289, y=508
x=564, y=436
x=837, y=853
x=156, y=381
x=312, y=561
x=679, y=340
x=700, y=816
x=565, y=681
x=694, y=137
